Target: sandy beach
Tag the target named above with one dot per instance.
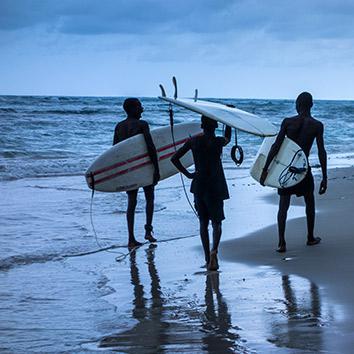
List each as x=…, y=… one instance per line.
x=328, y=265
x=158, y=299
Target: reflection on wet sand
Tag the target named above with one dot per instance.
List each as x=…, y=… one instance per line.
x=191, y=327
x=303, y=326
x=149, y=333
x=217, y=325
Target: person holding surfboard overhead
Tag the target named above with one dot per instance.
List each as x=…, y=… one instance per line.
x=125, y=129
x=208, y=183
x=303, y=129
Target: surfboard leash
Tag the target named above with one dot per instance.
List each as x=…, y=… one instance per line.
x=290, y=171
x=237, y=149
x=101, y=247
x=171, y=115
x=110, y=249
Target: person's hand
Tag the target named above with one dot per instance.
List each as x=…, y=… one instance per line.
x=156, y=177
x=323, y=187
x=263, y=177
x=191, y=175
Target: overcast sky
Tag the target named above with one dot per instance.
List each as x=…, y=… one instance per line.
x=225, y=48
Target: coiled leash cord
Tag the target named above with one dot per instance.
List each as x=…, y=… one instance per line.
x=121, y=255
x=290, y=171
x=237, y=149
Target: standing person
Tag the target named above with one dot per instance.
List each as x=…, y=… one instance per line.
x=125, y=129
x=208, y=183
x=303, y=129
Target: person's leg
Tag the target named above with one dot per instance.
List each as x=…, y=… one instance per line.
x=216, y=235
x=203, y=216
x=310, y=217
x=284, y=203
x=204, y=236
x=132, y=201
x=213, y=264
x=149, y=192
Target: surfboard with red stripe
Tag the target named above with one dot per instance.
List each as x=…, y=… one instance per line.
x=127, y=166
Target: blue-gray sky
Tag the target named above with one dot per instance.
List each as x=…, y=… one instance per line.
x=225, y=48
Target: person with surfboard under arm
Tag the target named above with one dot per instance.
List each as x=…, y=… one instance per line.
x=125, y=129
x=303, y=129
x=208, y=183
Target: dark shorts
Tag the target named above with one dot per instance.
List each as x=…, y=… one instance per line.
x=209, y=209
x=306, y=186
x=148, y=190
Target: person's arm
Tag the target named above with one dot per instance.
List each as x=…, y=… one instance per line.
x=151, y=152
x=176, y=159
x=322, y=156
x=116, y=136
x=273, y=151
x=227, y=134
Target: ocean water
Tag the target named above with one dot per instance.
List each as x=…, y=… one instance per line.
x=51, y=298
x=61, y=136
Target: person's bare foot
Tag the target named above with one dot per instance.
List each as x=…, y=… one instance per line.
x=149, y=233
x=281, y=248
x=150, y=238
x=213, y=264
x=134, y=243
x=313, y=241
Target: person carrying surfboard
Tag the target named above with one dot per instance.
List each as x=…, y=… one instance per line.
x=208, y=183
x=125, y=129
x=303, y=129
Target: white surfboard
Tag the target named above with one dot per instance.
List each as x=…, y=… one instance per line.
x=234, y=117
x=127, y=166
x=288, y=168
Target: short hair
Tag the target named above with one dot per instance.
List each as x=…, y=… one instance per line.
x=129, y=104
x=304, y=101
x=208, y=123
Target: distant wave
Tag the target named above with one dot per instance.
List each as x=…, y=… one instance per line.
x=25, y=259
x=11, y=154
x=82, y=111
x=7, y=110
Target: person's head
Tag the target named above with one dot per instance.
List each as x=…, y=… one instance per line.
x=209, y=124
x=133, y=107
x=304, y=103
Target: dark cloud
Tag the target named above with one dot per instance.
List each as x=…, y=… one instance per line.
x=286, y=20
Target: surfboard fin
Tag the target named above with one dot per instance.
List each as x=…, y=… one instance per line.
x=174, y=81
x=163, y=92
x=195, y=95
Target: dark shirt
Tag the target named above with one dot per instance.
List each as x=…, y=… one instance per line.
x=209, y=180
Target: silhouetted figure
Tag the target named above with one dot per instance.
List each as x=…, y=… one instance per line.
x=303, y=129
x=303, y=328
x=148, y=335
x=217, y=326
x=208, y=183
x=129, y=127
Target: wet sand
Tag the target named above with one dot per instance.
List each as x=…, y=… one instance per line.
x=158, y=299
x=329, y=265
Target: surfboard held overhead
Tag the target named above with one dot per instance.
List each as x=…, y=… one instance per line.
x=234, y=117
